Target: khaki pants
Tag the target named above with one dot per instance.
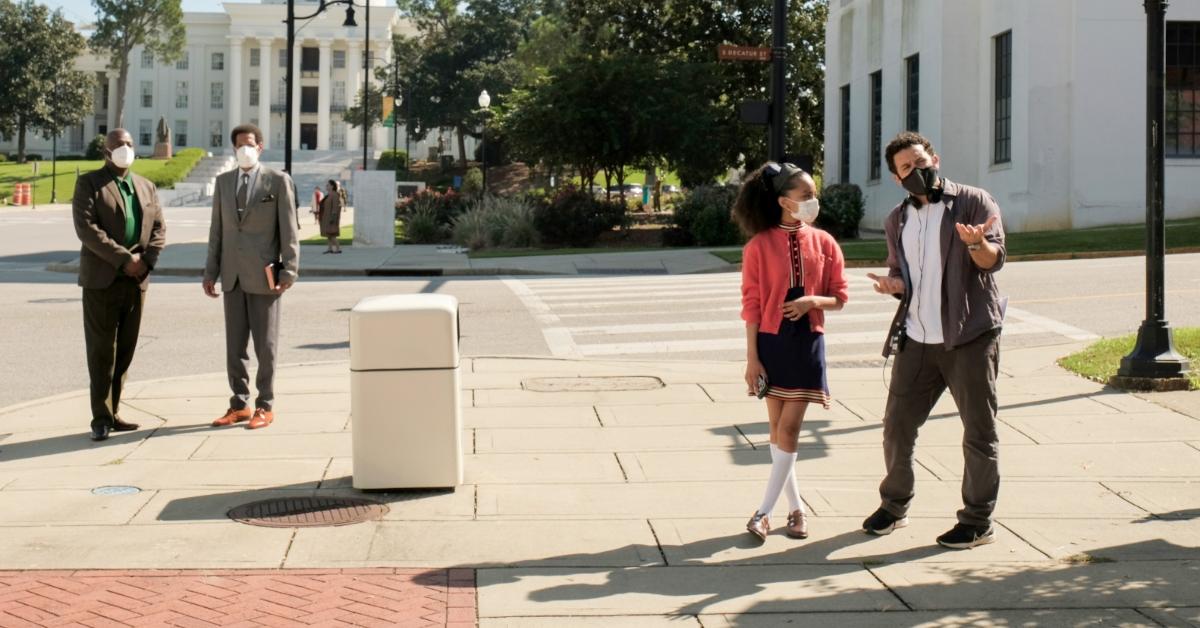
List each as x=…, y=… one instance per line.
x=919, y=376
x=112, y=317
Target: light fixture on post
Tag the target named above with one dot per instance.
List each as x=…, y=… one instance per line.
x=485, y=102
x=291, y=53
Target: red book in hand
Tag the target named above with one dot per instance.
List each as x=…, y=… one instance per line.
x=273, y=269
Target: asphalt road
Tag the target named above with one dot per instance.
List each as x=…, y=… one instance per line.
x=682, y=317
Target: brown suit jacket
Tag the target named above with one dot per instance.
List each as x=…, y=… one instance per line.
x=99, y=213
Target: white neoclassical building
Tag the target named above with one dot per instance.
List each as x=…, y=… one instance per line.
x=1042, y=102
x=233, y=71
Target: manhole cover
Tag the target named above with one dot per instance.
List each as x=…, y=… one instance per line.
x=592, y=384
x=307, y=512
x=116, y=490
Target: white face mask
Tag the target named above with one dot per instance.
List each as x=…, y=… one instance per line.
x=806, y=211
x=122, y=156
x=247, y=157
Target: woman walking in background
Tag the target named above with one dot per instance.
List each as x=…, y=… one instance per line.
x=791, y=273
x=331, y=215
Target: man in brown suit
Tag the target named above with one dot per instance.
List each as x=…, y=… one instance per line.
x=120, y=223
x=254, y=224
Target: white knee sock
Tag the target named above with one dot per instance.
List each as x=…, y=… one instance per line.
x=782, y=463
x=790, y=488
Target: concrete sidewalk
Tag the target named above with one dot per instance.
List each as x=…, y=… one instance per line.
x=621, y=500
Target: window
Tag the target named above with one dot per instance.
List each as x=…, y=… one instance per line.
x=283, y=58
x=147, y=60
x=181, y=132
x=1183, y=89
x=253, y=92
x=144, y=137
x=339, y=59
x=217, y=96
x=339, y=96
x=912, y=93
x=218, y=61
x=104, y=95
x=310, y=60
x=181, y=95
x=147, y=94
x=337, y=135
x=844, y=170
x=308, y=99
x=1002, y=101
x=216, y=137
x=255, y=57
x=876, y=152
x=281, y=93
x=182, y=63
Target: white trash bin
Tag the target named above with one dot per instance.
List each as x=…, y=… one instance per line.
x=406, y=417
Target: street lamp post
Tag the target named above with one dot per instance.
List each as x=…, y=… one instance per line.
x=485, y=102
x=289, y=102
x=396, y=106
x=776, y=148
x=1154, y=356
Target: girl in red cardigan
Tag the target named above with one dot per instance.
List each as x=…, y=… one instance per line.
x=791, y=273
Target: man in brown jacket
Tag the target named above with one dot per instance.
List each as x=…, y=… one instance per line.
x=120, y=223
x=945, y=244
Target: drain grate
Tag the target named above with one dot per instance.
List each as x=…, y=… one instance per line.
x=307, y=512
x=592, y=384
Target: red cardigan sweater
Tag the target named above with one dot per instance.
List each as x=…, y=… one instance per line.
x=765, y=273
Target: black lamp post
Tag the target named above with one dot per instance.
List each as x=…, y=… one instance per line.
x=291, y=52
x=485, y=102
x=1154, y=355
x=776, y=148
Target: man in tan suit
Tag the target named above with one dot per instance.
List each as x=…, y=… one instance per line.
x=120, y=223
x=253, y=226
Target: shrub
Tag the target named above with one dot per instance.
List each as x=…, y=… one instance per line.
x=703, y=218
x=497, y=221
x=28, y=157
x=574, y=218
x=842, y=208
x=3, y=158
x=472, y=183
x=445, y=206
x=421, y=226
x=177, y=168
x=95, y=148
x=391, y=160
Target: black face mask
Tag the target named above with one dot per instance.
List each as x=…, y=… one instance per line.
x=923, y=182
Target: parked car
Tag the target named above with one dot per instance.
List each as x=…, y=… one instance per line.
x=631, y=190
x=667, y=188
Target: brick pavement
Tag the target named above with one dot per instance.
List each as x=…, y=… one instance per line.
x=260, y=597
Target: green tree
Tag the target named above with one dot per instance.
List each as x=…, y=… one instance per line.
x=42, y=90
x=123, y=25
x=354, y=115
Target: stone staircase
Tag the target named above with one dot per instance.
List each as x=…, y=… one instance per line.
x=198, y=186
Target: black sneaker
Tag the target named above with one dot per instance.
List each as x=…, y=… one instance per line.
x=882, y=522
x=963, y=536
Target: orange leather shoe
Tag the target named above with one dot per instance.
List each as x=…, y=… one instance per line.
x=759, y=525
x=262, y=418
x=232, y=416
x=797, y=525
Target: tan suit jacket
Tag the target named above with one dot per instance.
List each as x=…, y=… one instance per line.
x=240, y=246
x=99, y=215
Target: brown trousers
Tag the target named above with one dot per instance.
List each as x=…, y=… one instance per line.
x=919, y=376
x=112, y=317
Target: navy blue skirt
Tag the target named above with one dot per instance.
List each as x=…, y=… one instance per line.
x=795, y=360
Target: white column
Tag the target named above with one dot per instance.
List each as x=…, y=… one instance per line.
x=265, y=61
x=296, y=54
x=323, y=120
x=234, y=92
x=354, y=61
x=112, y=100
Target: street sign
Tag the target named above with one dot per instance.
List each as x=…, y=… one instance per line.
x=726, y=52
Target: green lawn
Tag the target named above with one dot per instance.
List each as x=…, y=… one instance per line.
x=346, y=237
x=1180, y=234
x=1100, y=361
x=486, y=253
x=11, y=173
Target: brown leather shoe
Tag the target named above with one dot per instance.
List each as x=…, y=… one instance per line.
x=232, y=416
x=759, y=526
x=262, y=418
x=121, y=426
x=797, y=525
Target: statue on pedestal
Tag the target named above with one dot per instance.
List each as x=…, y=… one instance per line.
x=162, y=142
